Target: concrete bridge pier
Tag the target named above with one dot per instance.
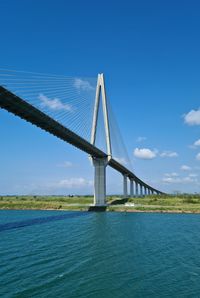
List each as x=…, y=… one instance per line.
x=125, y=188
x=136, y=189
x=131, y=188
x=141, y=190
x=145, y=191
x=100, y=181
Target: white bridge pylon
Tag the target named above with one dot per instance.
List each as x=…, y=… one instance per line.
x=100, y=163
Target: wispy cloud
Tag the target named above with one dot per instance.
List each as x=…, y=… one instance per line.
x=173, y=174
x=168, y=154
x=84, y=85
x=65, y=164
x=177, y=180
x=193, y=175
x=185, y=168
x=141, y=139
x=171, y=180
x=74, y=183
x=144, y=153
x=197, y=143
x=189, y=179
x=198, y=156
x=54, y=103
x=192, y=117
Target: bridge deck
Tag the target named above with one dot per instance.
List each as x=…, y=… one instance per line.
x=26, y=111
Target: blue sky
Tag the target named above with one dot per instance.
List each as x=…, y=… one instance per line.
x=149, y=53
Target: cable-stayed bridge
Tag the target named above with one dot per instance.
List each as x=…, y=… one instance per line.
x=77, y=111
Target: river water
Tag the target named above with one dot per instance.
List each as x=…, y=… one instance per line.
x=85, y=254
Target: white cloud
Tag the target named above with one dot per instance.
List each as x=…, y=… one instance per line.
x=185, y=168
x=171, y=174
x=171, y=180
x=193, y=117
x=168, y=154
x=54, y=104
x=178, y=180
x=197, y=143
x=74, y=183
x=141, y=139
x=189, y=180
x=65, y=164
x=198, y=156
x=144, y=153
x=83, y=85
x=193, y=175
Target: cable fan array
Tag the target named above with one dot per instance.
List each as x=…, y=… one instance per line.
x=67, y=100
x=119, y=151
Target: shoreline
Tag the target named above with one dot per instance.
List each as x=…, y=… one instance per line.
x=107, y=210
x=185, y=204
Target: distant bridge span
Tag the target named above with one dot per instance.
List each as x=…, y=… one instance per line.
x=19, y=107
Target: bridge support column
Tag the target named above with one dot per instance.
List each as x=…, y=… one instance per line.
x=125, y=193
x=141, y=191
x=136, y=188
x=145, y=191
x=131, y=188
x=100, y=181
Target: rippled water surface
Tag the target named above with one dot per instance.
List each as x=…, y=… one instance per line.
x=80, y=254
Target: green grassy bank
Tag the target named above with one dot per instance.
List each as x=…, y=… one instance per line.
x=181, y=203
x=45, y=202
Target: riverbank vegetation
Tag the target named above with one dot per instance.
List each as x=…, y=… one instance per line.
x=153, y=203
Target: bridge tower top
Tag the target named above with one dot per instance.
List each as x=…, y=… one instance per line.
x=101, y=93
